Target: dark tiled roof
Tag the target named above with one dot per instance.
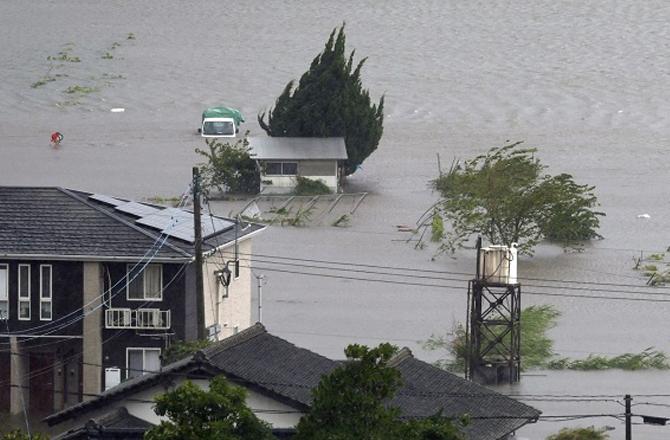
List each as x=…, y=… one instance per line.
x=116, y=424
x=56, y=222
x=276, y=367
x=428, y=390
x=266, y=361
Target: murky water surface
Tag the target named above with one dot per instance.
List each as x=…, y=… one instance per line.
x=587, y=83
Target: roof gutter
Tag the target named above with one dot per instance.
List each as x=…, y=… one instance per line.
x=232, y=242
x=92, y=258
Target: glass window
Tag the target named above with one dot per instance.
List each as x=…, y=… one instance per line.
x=24, y=291
x=142, y=360
x=135, y=283
x=219, y=128
x=152, y=281
x=135, y=363
x=146, y=285
x=4, y=292
x=290, y=168
x=45, y=292
x=45, y=311
x=273, y=168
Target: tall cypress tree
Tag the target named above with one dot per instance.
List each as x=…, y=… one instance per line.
x=330, y=101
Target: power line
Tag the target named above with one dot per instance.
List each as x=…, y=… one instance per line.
x=444, y=286
x=54, y=326
x=468, y=275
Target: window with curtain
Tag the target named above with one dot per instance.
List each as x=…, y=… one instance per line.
x=24, y=291
x=45, y=292
x=141, y=361
x=145, y=285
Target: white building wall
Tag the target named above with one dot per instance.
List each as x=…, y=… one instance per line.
x=141, y=405
x=231, y=307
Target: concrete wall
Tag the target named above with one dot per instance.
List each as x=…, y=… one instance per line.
x=232, y=311
x=92, y=331
x=19, y=382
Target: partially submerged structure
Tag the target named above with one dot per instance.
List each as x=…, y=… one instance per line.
x=279, y=378
x=283, y=159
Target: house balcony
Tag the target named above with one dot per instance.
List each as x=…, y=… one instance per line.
x=140, y=319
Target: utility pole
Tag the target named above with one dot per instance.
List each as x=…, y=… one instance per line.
x=199, y=294
x=628, y=399
x=260, y=279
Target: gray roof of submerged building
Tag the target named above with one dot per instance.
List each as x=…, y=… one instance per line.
x=58, y=223
x=276, y=367
x=297, y=148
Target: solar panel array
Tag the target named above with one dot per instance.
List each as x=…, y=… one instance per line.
x=137, y=209
x=106, y=199
x=173, y=222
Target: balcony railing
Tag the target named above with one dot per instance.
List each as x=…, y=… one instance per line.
x=146, y=319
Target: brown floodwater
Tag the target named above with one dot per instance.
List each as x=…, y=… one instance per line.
x=587, y=84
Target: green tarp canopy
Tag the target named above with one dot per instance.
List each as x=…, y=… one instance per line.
x=223, y=112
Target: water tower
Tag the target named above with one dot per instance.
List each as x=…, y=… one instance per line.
x=493, y=332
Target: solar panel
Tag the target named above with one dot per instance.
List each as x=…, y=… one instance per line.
x=179, y=224
x=212, y=225
x=137, y=209
x=106, y=199
x=156, y=221
x=183, y=232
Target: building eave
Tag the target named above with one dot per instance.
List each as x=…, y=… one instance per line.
x=93, y=258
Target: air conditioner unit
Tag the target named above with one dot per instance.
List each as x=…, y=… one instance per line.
x=498, y=264
x=112, y=377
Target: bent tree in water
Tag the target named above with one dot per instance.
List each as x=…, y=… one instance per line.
x=330, y=101
x=506, y=196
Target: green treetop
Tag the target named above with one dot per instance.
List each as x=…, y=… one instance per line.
x=352, y=403
x=505, y=196
x=329, y=101
x=197, y=414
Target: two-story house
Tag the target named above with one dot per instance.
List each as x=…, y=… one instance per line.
x=94, y=288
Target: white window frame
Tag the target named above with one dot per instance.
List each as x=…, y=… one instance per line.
x=282, y=162
x=144, y=283
x=19, y=298
x=5, y=267
x=48, y=300
x=144, y=350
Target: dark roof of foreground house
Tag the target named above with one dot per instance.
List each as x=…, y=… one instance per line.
x=297, y=148
x=273, y=366
x=58, y=223
x=116, y=424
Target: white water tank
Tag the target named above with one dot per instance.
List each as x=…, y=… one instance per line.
x=498, y=264
x=112, y=377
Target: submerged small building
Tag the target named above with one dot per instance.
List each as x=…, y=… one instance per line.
x=283, y=159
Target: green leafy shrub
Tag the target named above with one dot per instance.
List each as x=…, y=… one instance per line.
x=536, y=346
x=229, y=167
x=310, y=187
x=589, y=433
